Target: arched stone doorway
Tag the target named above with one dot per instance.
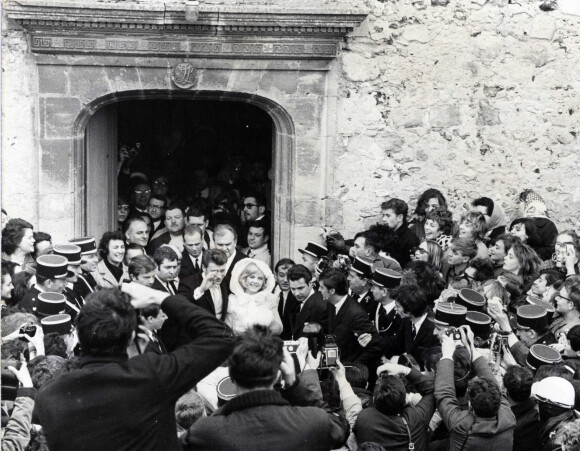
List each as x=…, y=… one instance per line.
x=95, y=152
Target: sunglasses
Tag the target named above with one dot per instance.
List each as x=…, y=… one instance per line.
x=420, y=250
x=250, y=205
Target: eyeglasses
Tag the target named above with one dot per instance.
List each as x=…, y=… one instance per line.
x=250, y=205
x=159, y=182
x=559, y=296
x=467, y=277
x=139, y=191
x=420, y=250
x=155, y=207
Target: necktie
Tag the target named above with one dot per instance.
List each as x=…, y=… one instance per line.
x=413, y=331
x=197, y=264
x=171, y=287
x=355, y=296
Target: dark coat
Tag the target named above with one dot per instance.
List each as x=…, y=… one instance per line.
x=239, y=256
x=85, y=285
x=157, y=285
x=315, y=310
x=389, y=430
x=187, y=266
x=188, y=285
x=369, y=304
x=133, y=400
x=351, y=320
x=527, y=430
x=296, y=419
x=403, y=341
x=387, y=324
x=206, y=301
x=548, y=233
x=286, y=312
x=483, y=433
x=156, y=243
x=400, y=248
x=28, y=301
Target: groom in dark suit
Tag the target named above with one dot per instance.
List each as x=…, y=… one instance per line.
x=309, y=307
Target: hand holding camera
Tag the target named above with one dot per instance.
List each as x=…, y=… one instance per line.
x=287, y=369
x=448, y=346
x=35, y=336
x=22, y=373
x=393, y=369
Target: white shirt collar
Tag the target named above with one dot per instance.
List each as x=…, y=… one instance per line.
x=389, y=307
x=420, y=322
x=261, y=250
x=338, y=305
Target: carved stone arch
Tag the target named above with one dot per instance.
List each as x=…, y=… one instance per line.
x=283, y=149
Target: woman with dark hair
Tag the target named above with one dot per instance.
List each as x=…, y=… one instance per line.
x=523, y=261
x=549, y=278
x=123, y=209
x=428, y=201
x=473, y=226
x=498, y=251
x=525, y=229
x=18, y=242
x=439, y=227
x=428, y=251
x=111, y=271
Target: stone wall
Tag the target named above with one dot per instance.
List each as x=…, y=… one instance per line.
x=474, y=98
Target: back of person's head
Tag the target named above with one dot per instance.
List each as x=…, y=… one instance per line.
x=357, y=375
x=554, y=277
x=398, y=206
x=54, y=344
x=431, y=357
x=514, y=284
x=142, y=264
x=297, y=272
x=531, y=230
x=11, y=323
x=411, y=298
x=484, y=202
x=557, y=370
x=529, y=260
x=12, y=349
x=483, y=269
x=425, y=276
x=385, y=234
x=199, y=207
x=188, y=409
x=390, y=395
x=283, y=262
x=462, y=370
x=21, y=282
x=334, y=278
x=465, y=246
x=106, y=323
x=573, y=336
x=150, y=310
x=255, y=361
x=43, y=369
x=518, y=381
x=164, y=253
x=215, y=256
x=431, y=193
x=485, y=397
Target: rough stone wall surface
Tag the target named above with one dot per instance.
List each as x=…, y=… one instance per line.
x=476, y=98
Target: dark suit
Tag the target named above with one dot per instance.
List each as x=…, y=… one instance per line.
x=353, y=319
x=157, y=243
x=238, y=256
x=286, y=310
x=315, y=310
x=157, y=285
x=387, y=324
x=206, y=301
x=188, y=285
x=85, y=285
x=369, y=304
x=155, y=346
x=400, y=248
x=133, y=400
x=403, y=341
x=188, y=266
x=73, y=302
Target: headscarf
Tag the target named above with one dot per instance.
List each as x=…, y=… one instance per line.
x=534, y=205
x=237, y=289
x=497, y=218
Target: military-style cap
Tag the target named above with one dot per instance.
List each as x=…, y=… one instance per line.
x=449, y=314
x=87, y=244
x=69, y=251
x=314, y=249
x=61, y=324
x=387, y=278
x=471, y=299
x=542, y=355
x=52, y=267
x=363, y=267
x=49, y=304
x=225, y=390
x=550, y=310
x=532, y=317
x=480, y=324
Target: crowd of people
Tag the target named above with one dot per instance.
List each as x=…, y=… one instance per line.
x=427, y=331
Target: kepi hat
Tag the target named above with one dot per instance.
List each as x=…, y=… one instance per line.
x=314, y=249
x=69, y=251
x=49, y=304
x=52, y=267
x=87, y=244
x=386, y=278
x=480, y=324
x=542, y=355
x=61, y=324
x=449, y=314
x=471, y=299
x=363, y=267
x=532, y=317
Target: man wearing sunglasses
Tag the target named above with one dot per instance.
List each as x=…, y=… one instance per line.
x=253, y=209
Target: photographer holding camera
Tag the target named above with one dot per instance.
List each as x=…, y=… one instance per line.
x=263, y=418
x=489, y=422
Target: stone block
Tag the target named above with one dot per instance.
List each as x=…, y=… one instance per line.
x=334, y=213
x=358, y=68
x=414, y=33
x=58, y=115
x=56, y=164
x=89, y=83
x=154, y=78
x=543, y=26
x=487, y=114
x=444, y=116
x=52, y=79
x=571, y=7
x=308, y=212
x=278, y=81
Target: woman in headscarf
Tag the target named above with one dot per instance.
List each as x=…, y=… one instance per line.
x=494, y=217
x=533, y=206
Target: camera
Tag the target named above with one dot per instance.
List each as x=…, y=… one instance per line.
x=29, y=330
x=323, y=264
x=330, y=352
x=453, y=333
x=291, y=346
x=409, y=361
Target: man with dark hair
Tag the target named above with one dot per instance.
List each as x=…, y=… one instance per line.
x=368, y=244
x=425, y=276
x=478, y=271
x=498, y=251
x=86, y=283
x=166, y=261
x=42, y=244
x=253, y=208
x=287, y=301
x=151, y=319
x=132, y=400
x=347, y=320
x=258, y=237
x=192, y=256
x=359, y=281
x=490, y=422
x=294, y=418
x=142, y=270
x=518, y=382
x=174, y=223
x=156, y=209
x=309, y=307
x=394, y=213
x=415, y=334
x=381, y=423
x=199, y=215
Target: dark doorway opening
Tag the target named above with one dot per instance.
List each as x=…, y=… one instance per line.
x=200, y=147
